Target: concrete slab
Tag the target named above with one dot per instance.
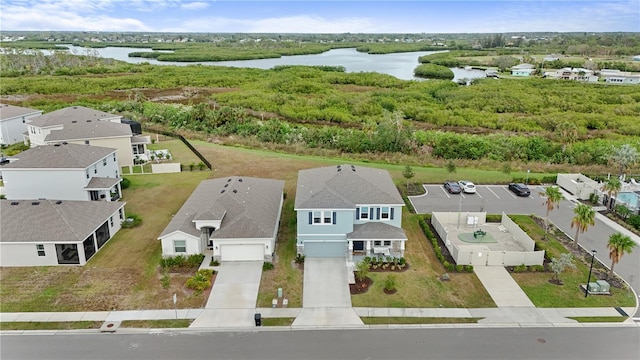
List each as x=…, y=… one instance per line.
x=236, y=286
x=334, y=317
x=225, y=318
x=504, y=291
x=326, y=283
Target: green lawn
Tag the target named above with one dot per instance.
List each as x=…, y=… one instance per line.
x=590, y=319
x=277, y=321
x=417, y=320
x=68, y=325
x=157, y=324
x=545, y=294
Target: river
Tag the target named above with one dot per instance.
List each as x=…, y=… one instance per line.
x=399, y=65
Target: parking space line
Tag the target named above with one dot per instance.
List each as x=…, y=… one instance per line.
x=444, y=191
x=510, y=193
x=477, y=193
x=496, y=195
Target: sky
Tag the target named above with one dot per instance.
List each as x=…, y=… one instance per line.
x=337, y=16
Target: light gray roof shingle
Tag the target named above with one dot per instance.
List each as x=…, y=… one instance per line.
x=12, y=111
x=56, y=220
x=250, y=207
x=72, y=113
x=376, y=231
x=101, y=183
x=60, y=156
x=89, y=130
x=344, y=187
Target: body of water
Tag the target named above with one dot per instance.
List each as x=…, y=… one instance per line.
x=399, y=65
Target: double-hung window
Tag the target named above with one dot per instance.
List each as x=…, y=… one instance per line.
x=364, y=212
x=180, y=246
x=40, y=248
x=321, y=217
x=384, y=213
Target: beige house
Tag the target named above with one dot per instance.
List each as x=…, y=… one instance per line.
x=85, y=126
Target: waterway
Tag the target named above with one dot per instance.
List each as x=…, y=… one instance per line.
x=399, y=65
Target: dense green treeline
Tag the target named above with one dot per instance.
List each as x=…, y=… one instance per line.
x=323, y=107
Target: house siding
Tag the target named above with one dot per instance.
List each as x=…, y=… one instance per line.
x=12, y=129
x=193, y=244
x=343, y=225
x=26, y=254
x=124, y=151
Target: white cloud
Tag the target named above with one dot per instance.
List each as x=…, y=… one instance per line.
x=197, y=5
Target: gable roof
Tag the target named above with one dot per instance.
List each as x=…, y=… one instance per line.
x=345, y=187
x=250, y=206
x=89, y=130
x=59, y=156
x=12, y=111
x=56, y=220
x=72, y=113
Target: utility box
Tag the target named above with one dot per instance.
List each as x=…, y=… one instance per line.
x=258, y=319
x=594, y=287
x=603, y=285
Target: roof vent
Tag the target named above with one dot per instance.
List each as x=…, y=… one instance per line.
x=64, y=143
x=88, y=120
x=58, y=202
x=353, y=168
x=35, y=203
x=222, y=192
x=339, y=169
x=229, y=179
x=14, y=203
x=75, y=107
x=225, y=185
x=74, y=121
x=235, y=191
x=239, y=180
x=56, y=144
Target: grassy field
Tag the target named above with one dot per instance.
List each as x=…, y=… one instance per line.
x=545, y=294
x=416, y=320
x=420, y=285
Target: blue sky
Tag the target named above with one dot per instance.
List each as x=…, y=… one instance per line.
x=428, y=16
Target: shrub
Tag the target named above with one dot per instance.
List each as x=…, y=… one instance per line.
x=165, y=280
x=125, y=183
x=300, y=259
x=549, y=179
x=200, y=281
x=390, y=283
x=367, y=259
x=468, y=268
x=593, y=198
x=132, y=220
x=214, y=262
x=267, y=266
x=494, y=218
x=180, y=261
x=362, y=271
x=536, y=268
x=402, y=261
x=194, y=260
x=520, y=268
x=459, y=268
x=634, y=220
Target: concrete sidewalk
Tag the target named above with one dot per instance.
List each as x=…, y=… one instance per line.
x=504, y=291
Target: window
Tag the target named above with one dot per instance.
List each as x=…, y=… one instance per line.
x=121, y=211
x=86, y=142
x=377, y=243
x=40, y=249
x=385, y=213
x=114, y=156
x=364, y=212
x=111, y=221
x=87, y=174
x=104, y=162
x=387, y=243
x=180, y=246
x=319, y=217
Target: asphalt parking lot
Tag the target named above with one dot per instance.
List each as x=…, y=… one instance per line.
x=494, y=199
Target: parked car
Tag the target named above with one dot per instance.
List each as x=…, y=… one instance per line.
x=467, y=187
x=452, y=187
x=520, y=189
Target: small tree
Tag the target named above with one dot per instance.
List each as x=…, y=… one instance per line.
x=558, y=265
x=451, y=167
x=362, y=271
x=623, y=212
x=618, y=245
x=408, y=174
x=624, y=155
x=390, y=283
x=553, y=196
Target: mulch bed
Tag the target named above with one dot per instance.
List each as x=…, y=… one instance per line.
x=390, y=292
x=360, y=287
x=398, y=269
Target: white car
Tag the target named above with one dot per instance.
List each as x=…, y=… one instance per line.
x=467, y=187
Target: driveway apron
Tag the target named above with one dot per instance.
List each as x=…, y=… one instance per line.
x=326, y=297
x=232, y=301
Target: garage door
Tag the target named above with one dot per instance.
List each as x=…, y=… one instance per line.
x=325, y=249
x=242, y=252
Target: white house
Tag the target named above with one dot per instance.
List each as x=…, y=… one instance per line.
x=575, y=74
x=63, y=172
x=55, y=232
x=234, y=218
x=81, y=125
x=613, y=76
x=13, y=122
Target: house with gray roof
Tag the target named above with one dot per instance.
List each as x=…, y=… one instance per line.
x=13, y=122
x=348, y=210
x=232, y=218
x=63, y=172
x=55, y=232
x=82, y=125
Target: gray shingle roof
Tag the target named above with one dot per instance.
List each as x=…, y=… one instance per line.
x=11, y=111
x=250, y=207
x=344, y=187
x=101, y=183
x=60, y=156
x=89, y=130
x=55, y=220
x=69, y=114
x=376, y=231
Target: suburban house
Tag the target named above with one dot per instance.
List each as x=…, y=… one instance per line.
x=55, y=232
x=63, y=172
x=81, y=125
x=232, y=218
x=13, y=122
x=345, y=210
x=523, y=70
x=575, y=74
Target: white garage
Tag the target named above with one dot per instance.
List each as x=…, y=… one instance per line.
x=242, y=252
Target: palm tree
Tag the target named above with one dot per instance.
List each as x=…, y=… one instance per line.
x=584, y=217
x=625, y=155
x=618, y=245
x=612, y=187
x=554, y=196
x=567, y=134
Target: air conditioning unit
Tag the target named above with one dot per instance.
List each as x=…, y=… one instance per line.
x=594, y=287
x=603, y=285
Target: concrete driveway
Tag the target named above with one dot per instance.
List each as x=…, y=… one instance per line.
x=232, y=301
x=326, y=297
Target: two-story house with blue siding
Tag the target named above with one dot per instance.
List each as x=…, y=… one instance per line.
x=345, y=210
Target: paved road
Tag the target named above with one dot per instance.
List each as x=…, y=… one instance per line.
x=454, y=343
x=495, y=199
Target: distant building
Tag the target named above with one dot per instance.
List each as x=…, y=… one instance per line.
x=636, y=58
x=523, y=70
x=620, y=77
x=13, y=122
x=576, y=74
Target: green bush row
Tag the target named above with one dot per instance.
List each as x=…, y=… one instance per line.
x=181, y=261
x=424, y=225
